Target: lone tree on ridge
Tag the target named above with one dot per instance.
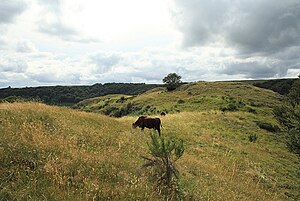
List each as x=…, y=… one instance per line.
x=172, y=81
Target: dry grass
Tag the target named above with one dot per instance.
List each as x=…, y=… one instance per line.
x=56, y=153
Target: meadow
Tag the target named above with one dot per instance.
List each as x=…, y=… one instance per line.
x=56, y=153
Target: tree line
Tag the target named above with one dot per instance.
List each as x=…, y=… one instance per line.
x=69, y=95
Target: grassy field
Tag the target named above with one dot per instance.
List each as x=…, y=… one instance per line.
x=191, y=97
x=55, y=153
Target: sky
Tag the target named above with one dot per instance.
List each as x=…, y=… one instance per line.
x=83, y=42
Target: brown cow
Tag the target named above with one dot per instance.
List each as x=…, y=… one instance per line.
x=148, y=122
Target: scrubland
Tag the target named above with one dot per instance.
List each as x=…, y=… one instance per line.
x=56, y=153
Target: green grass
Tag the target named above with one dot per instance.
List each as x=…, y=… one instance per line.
x=55, y=153
x=200, y=96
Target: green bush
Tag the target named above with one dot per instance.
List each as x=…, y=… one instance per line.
x=164, y=153
x=268, y=126
x=121, y=100
x=251, y=110
x=180, y=101
x=229, y=107
x=288, y=115
x=293, y=141
x=252, y=137
x=231, y=104
x=12, y=99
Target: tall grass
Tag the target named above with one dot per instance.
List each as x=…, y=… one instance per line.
x=53, y=153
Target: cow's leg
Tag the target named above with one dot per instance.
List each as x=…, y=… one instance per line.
x=158, y=131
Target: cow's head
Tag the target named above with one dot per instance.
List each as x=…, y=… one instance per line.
x=138, y=121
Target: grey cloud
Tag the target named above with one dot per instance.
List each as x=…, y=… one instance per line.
x=254, y=70
x=57, y=29
x=25, y=47
x=250, y=26
x=265, y=26
x=13, y=66
x=3, y=44
x=264, y=31
x=63, y=31
x=288, y=54
x=200, y=21
x=54, y=78
x=9, y=9
x=104, y=62
x=15, y=80
x=51, y=5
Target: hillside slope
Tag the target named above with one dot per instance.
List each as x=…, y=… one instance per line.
x=200, y=96
x=53, y=153
x=68, y=95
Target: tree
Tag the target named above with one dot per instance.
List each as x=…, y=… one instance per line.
x=288, y=116
x=172, y=81
x=294, y=93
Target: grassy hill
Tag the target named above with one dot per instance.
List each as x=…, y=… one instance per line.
x=54, y=153
x=190, y=97
x=69, y=95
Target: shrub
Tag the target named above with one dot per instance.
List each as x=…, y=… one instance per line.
x=267, y=126
x=164, y=153
x=288, y=115
x=121, y=100
x=252, y=137
x=12, y=99
x=251, y=110
x=229, y=107
x=293, y=141
x=180, y=101
x=231, y=104
x=112, y=111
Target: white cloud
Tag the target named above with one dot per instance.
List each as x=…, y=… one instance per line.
x=13, y=65
x=259, y=30
x=25, y=47
x=50, y=42
x=10, y=9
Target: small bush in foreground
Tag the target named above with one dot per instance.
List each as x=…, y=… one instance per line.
x=164, y=153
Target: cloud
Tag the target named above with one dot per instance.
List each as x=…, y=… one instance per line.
x=200, y=21
x=264, y=37
x=13, y=66
x=253, y=69
x=53, y=23
x=249, y=26
x=3, y=44
x=64, y=32
x=57, y=29
x=104, y=62
x=10, y=9
x=25, y=47
x=149, y=66
x=253, y=30
x=221, y=40
x=55, y=78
